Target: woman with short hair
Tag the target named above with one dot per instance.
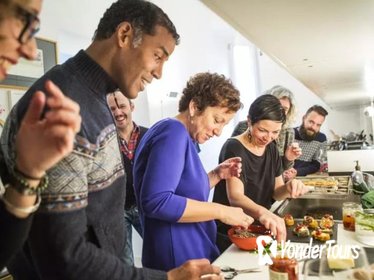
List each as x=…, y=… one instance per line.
x=261, y=180
x=171, y=185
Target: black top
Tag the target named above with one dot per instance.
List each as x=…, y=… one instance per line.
x=13, y=233
x=129, y=163
x=258, y=173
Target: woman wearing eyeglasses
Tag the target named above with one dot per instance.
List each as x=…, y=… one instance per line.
x=40, y=142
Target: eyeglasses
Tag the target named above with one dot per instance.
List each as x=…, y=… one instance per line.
x=32, y=24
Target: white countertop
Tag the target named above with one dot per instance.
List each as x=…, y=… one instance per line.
x=239, y=259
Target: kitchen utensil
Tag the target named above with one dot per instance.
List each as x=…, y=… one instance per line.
x=232, y=272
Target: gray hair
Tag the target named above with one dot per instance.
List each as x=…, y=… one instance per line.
x=282, y=92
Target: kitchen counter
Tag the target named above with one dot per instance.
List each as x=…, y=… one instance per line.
x=240, y=259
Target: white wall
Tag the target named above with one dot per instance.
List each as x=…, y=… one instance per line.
x=273, y=74
x=205, y=41
x=353, y=120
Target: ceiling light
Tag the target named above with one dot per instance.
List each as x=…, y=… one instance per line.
x=369, y=111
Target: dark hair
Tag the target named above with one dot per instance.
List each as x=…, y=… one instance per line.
x=318, y=109
x=119, y=92
x=210, y=90
x=144, y=16
x=266, y=107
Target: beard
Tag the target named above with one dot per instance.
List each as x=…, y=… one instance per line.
x=307, y=135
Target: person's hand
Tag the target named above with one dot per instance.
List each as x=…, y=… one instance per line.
x=293, y=152
x=275, y=224
x=289, y=174
x=41, y=143
x=194, y=269
x=234, y=216
x=296, y=188
x=231, y=167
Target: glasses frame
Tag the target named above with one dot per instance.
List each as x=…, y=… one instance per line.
x=29, y=19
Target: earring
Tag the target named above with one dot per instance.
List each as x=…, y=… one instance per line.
x=249, y=136
x=191, y=119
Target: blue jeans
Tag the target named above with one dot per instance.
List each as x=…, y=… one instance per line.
x=131, y=219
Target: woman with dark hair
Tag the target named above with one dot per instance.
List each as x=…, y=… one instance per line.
x=171, y=185
x=261, y=180
x=285, y=141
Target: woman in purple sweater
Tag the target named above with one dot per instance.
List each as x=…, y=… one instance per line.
x=171, y=185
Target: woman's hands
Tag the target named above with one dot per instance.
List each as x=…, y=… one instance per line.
x=296, y=188
x=234, y=216
x=275, y=224
x=41, y=143
x=293, y=151
x=231, y=167
x=289, y=174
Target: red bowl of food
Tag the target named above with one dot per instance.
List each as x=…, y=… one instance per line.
x=245, y=239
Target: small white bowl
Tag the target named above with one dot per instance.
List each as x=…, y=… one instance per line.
x=364, y=226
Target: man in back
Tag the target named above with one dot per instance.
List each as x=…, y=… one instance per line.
x=311, y=141
x=130, y=135
x=77, y=232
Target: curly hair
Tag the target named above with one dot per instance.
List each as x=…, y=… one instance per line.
x=210, y=90
x=266, y=107
x=281, y=92
x=143, y=16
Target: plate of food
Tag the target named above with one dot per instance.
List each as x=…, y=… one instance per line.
x=301, y=230
x=320, y=183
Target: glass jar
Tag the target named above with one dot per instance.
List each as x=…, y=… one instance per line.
x=284, y=268
x=349, y=209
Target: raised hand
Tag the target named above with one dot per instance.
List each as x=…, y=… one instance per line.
x=293, y=152
x=42, y=142
x=231, y=167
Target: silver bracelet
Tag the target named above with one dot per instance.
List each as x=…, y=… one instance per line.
x=25, y=210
